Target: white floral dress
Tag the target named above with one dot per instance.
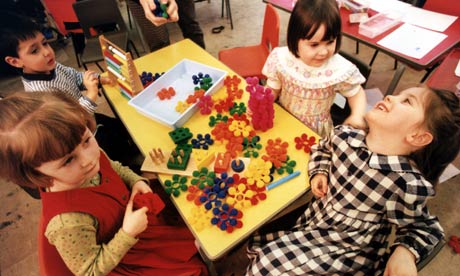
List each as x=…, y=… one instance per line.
x=308, y=92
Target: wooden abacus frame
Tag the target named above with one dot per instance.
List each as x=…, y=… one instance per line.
x=120, y=67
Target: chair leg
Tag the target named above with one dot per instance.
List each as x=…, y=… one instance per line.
x=229, y=13
x=396, y=65
x=134, y=47
x=428, y=72
x=373, y=57
x=396, y=77
x=84, y=66
x=357, y=47
x=100, y=67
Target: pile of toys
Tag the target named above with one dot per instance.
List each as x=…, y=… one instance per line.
x=225, y=183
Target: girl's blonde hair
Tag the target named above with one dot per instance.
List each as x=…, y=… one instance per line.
x=36, y=128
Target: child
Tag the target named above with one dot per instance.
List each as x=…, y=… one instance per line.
x=307, y=74
x=23, y=46
x=88, y=225
x=364, y=183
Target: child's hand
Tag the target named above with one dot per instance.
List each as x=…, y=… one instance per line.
x=91, y=83
x=401, y=263
x=356, y=121
x=134, y=222
x=149, y=6
x=319, y=184
x=140, y=187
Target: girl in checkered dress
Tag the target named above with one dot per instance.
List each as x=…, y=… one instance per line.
x=365, y=182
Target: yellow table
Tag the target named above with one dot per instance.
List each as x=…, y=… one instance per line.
x=149, y=134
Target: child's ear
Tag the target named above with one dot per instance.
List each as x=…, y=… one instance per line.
x=14, y=61
x=420, y=138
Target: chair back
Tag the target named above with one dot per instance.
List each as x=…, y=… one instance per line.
x=271, y=28
x=363, y=67
x=100, y=16
x=61, y=11
x=443, y=6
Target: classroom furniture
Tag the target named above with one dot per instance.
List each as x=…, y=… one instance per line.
x=351, y=30
x=149, y=134
x=97, y=17
x=443, y=76
x=248, y=61
x=440, y=6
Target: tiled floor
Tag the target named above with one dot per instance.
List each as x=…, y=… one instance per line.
x=19, y=213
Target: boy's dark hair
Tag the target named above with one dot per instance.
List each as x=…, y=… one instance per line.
x=308, y=16
x=442, y=118
x=15, y=28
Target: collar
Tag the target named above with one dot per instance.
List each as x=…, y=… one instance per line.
x=40, y=76
x=396, y=163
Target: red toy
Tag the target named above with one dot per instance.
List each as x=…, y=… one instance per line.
x=150, y=200
x=260, y=102
x=454, y=242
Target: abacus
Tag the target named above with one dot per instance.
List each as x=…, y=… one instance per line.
x=120, y=67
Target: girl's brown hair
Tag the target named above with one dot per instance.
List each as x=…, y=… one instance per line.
x=442, y=118
x=35, y=128
x=308, y=16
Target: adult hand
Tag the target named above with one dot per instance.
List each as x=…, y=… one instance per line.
x=172, y=10
x=401, y=263
x=319, y=184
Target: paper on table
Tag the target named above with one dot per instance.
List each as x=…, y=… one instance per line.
x=387, y=6
x=427, y=19
x=412, y=41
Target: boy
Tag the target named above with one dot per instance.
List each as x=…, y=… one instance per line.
x=23, y=46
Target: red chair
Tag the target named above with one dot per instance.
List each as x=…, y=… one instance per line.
x=248, y=61
x=443, y=6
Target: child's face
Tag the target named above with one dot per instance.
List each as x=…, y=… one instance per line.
x=315, y=52
x=72, y=170
x=402, y=113
x=35, y=56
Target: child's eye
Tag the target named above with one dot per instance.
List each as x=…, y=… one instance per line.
x=68, y=161
x=406, y=101
x=34, y=51
x=45, y=43
x=331, y=42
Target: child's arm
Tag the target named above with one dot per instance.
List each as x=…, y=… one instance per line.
x=90, y=81
x=401, y=262
x=417, y=230
x=358, y=105
x=129, y=177
x=319, y=165
x=74, y=236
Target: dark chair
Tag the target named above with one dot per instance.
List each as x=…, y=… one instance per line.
x=422, y=263
x=101, y=17
x=338, y=113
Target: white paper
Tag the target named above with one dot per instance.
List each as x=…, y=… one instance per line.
x=387, y=6
x=412, y=41
x=428, y=19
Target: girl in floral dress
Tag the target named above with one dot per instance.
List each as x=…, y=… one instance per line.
x=306, y=75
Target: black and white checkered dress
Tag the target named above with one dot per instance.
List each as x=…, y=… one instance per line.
x=346, y=231
x=62, y=79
